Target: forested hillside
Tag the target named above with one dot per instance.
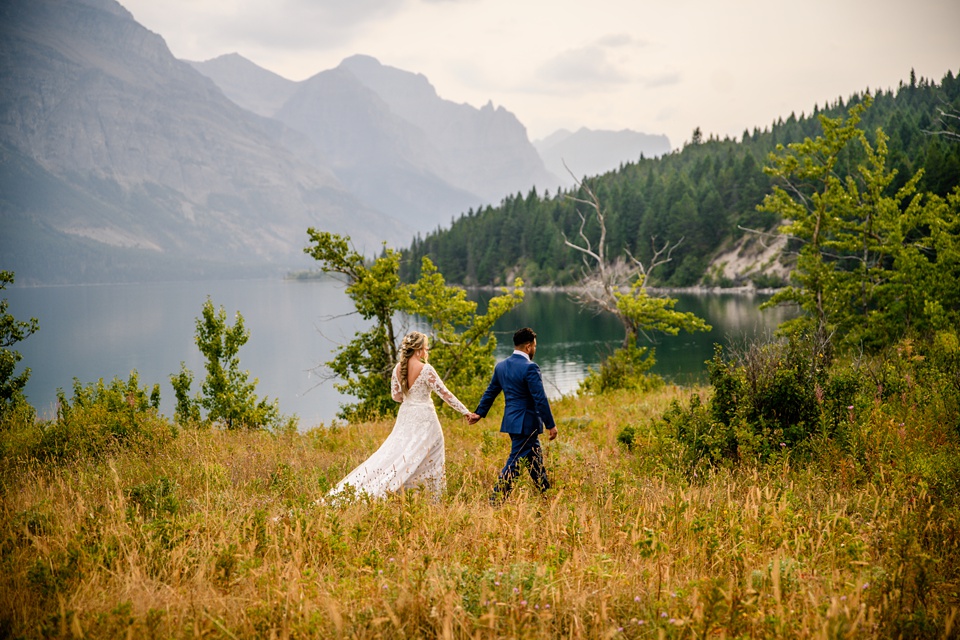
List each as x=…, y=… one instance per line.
x=706, y=194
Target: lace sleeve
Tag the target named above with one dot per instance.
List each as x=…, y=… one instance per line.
x=395, y=389
x=435, y=383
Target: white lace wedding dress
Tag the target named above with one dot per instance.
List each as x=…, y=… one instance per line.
x=413, y=454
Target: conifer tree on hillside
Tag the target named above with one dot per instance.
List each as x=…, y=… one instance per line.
x=706, y=193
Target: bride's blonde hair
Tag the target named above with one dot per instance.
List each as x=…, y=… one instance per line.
x=412, y=342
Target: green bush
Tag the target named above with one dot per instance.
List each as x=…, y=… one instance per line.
x=12, y=331
x=768, y=398
x=228, y=393
x=97, y=419
x=625, y=368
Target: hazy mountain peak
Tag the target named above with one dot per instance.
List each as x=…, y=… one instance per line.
x=109, y=6
x=124, y=162
x=589, y=152
x=246, y=83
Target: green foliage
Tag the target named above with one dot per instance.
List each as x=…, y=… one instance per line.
x=12, y=331
x=625, y=368
x=228, y=394
x=876, y=263
x=364, y=364
x=461, y=343
x=640, y=313
x=645, y=313
x=705, y=193
x=766, y=399
x=96, y=420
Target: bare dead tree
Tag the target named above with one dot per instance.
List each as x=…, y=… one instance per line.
x=603, y=276
x=949, y=125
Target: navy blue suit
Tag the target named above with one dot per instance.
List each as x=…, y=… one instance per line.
x=526, y=411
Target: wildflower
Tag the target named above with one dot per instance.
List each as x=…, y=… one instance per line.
x=496, y=582
x=516, y=590
x=636, y=598
x=865, y=585
x=523, y=603
x=850, y=406
x=783, y=444
x=546, y=606
x=663, y=614
x=536, y=606
x=842, y=598
x=641, y=622
x=380, y=572
x=620, y=629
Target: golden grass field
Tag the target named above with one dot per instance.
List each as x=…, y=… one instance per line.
x=180, y=539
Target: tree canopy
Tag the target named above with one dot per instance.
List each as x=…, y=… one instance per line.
x=705, y=193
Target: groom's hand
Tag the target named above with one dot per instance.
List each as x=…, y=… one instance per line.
x=552, y=433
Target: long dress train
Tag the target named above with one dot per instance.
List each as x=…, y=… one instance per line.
x=413, y=454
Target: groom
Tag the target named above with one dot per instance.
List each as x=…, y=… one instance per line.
x=525, y=413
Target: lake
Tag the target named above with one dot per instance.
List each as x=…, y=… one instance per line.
x=107, y=331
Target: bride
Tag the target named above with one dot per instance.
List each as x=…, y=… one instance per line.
x=413, y=454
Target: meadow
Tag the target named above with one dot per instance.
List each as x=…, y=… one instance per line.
x=187, y=532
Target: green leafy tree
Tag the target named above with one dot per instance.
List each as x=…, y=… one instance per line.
x=876, y=261
x=462, y=345
x=12, y=331
x=228, y=394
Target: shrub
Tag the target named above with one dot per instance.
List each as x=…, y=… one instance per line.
x=97, y=419
x=769, y=397
x=228, y=394
x=625, y=368
x=12, y=331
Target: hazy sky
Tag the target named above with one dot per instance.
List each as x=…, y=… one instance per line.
x=663, y=66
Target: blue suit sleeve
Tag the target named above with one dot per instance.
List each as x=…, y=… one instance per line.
x=535, y=385
x=493, y=390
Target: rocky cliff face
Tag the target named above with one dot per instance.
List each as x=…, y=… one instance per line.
x=394, y=142
x=485, y=151
x=247, y=84
x=94, y=105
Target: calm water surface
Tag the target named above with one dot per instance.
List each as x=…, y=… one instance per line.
x=107, y=331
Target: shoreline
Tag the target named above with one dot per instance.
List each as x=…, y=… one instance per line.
x=656, y=291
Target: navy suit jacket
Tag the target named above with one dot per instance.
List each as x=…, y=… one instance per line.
x=526, y=408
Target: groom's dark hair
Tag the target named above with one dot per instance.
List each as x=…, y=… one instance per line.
x=524, y=336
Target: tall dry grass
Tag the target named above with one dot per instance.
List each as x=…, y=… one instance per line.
x=181, y=541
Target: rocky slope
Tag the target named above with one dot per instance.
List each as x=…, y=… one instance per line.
x=391, y=139
x=137, y=159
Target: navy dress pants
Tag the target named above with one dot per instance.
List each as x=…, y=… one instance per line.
x=524, y=446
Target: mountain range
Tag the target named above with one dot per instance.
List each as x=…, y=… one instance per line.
x=119, y=162
x=390, y=138
x=587, y=152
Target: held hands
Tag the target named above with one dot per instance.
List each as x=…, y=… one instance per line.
x=472, y=418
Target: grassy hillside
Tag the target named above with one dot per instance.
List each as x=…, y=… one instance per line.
x=164, y=532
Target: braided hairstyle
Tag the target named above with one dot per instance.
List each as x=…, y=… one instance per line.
x=412, y=342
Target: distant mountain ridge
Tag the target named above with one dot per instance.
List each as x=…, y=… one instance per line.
x=589, y=152
x=140, y=167
x=391, y=138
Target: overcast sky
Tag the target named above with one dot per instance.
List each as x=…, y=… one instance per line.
x=655, y=66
